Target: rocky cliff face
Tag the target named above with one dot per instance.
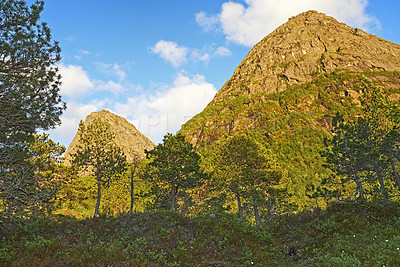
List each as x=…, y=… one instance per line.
x=127, y=137
x=308, y=45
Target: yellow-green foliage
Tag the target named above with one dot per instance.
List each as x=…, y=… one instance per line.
x=294, y=123
x=78, y=198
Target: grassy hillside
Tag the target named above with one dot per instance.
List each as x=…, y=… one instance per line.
x=344, y=235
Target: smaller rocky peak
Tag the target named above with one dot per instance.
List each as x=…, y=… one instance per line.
x=127, y=137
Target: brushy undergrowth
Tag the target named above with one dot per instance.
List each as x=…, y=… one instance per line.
x=341, y=235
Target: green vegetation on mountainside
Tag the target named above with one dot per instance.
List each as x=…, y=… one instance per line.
x=293, y=122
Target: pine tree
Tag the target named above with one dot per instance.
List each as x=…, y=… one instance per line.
x=29, y=95
x=98, y=154
x=175, y=166
x=247, y=169
x=366, y=149
x=35, y=188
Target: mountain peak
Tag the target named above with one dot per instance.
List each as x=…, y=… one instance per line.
x=127, y=137
x=308, y=43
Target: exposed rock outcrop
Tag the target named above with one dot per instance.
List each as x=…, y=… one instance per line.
x=127, y=137
x=305, y=44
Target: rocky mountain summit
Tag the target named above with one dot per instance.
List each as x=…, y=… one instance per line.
x=308, y=45
x=127, y=137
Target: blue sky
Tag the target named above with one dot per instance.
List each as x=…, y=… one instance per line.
x=157, y=63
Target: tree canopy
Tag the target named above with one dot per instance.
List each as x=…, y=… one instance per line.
x=98, y=154
x=174, y=165
x=364, y=150
x=29, y=91
x=246, y=168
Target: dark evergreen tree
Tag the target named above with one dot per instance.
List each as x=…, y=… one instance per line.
x=98, y=154
x=29, y=94
x=174, y=166
x=365, y=149
x=247, y=169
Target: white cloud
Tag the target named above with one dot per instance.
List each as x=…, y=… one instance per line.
x=171, y=52
x=208, y=23
x=222, y=51
x=197, y=55
x=75, y=81
x=248, y=24
x=177, y=55
x=112, y=70
x=165, y=111
x=109, y=86
x=154, y=114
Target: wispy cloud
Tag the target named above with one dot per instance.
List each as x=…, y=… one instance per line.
x=222, y=51
x=171, y=52
x=207, y=22
x=81, y=53
x=178, y=55
x=114, y=70
x=246, y=24
x=197, y=55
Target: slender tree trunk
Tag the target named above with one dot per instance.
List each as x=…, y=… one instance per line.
x=132, y=198
x=353, y=170
x=239, y=206
x=173, y=197
x=272, y=209
x=380, y=179
x=359, y=189
x=96, y=210
x=396, y=175
x=256, y=215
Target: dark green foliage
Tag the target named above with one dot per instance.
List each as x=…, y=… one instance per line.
x=98, y=154
x=243, y=167
x=33, y=188
x=173, y=167
x=163, y=239
x=341, y=235
x=29, y=93
x=363, y=151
